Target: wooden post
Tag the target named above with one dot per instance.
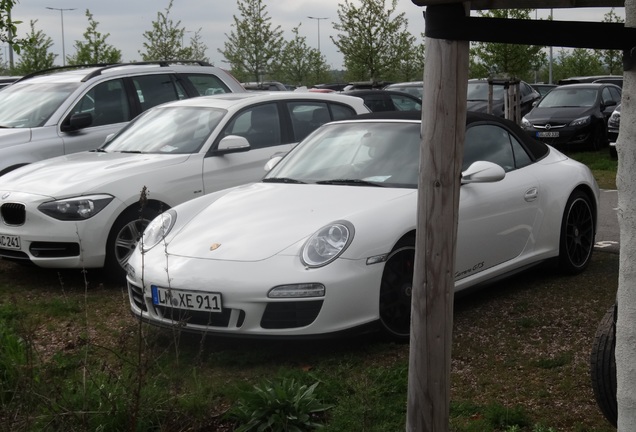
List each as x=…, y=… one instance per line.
x=443, y=130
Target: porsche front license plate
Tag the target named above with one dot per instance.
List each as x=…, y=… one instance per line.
x=9, y=242
x=547, y=134
x=190, y=300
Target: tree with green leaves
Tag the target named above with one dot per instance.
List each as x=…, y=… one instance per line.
x=612, y=59
x=165, y=40
x=299, y=64
x=372, y=40
x=577, y=62
x=94, y=49
x=8, y=27
x=488, y=59
x=198, y=47
x=35, y=55
x=254, y=45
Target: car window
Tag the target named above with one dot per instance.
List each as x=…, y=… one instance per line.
x=403, y=103
x=259, y=124
x=616, y=94
x=153, y=90
x=486, y=142
x=307, y=116
x=207, y=84
x=173, y=130
x=606, y=96
x=378, y=102
x=27, y=105
x=568, y=97
x=341, y=112
x=107, y=103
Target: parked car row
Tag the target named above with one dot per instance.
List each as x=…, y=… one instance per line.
x=173, y=197
x=82, y=210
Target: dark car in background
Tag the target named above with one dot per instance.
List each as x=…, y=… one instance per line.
x=265, y=86
x=610, y=79
x=574, y=115
x=387, y=100
x=542, y=88
x=414, y=88
x=477, y=96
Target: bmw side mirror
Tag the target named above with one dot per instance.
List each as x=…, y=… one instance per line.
x=232, y=144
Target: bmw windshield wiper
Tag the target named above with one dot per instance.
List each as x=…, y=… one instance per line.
x=282, y=180
x=349, y=182
x=99, y=150
x=130, y=151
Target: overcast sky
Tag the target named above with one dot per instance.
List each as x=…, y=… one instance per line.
x=127, y=20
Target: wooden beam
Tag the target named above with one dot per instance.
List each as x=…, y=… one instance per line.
x=441, y=153
x=574, y=34
x=525, y=4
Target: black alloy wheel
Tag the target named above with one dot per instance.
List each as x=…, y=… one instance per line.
x=396, y=289
x=577, y=234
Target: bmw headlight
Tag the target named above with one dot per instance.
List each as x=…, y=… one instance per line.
x=327, y=244
x=79, y=208
x=158, y=229
x=581, y=121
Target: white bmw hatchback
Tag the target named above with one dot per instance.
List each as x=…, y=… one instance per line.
x=83, y=210
x=325, y=242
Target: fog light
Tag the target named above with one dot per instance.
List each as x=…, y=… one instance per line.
x=297, y=291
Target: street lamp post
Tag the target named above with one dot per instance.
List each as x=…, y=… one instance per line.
x=62, y=17
x=318, y=19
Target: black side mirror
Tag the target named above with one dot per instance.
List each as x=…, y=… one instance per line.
x=77, y=122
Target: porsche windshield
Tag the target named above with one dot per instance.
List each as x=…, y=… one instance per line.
x=28, y=105
x=355, y=154
x=174, y=130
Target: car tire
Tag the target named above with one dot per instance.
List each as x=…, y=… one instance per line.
x=598, y=140
x=577, y=234
x=603, y=366
x=123, y=238
x=395, y=291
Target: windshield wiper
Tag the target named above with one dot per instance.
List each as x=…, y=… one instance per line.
x=282, y=180
x=349, y=182
x=99, y=150
x=130, y=151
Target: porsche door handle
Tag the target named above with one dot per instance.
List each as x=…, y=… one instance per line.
x=531, y=194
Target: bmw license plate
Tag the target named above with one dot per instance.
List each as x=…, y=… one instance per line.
x=9, y=242
x=189, y=300
x=548, y=134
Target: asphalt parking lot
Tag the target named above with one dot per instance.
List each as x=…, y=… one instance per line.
x=607, y=235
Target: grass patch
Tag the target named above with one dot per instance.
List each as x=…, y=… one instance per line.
x=602, y=165
x=73, y=358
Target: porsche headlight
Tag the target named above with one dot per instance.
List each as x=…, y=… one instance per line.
x=79, y=208
x=157, y=230
x=581, y=121
x=327, y=244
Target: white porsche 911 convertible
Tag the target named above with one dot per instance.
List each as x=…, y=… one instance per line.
x=324, y=244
